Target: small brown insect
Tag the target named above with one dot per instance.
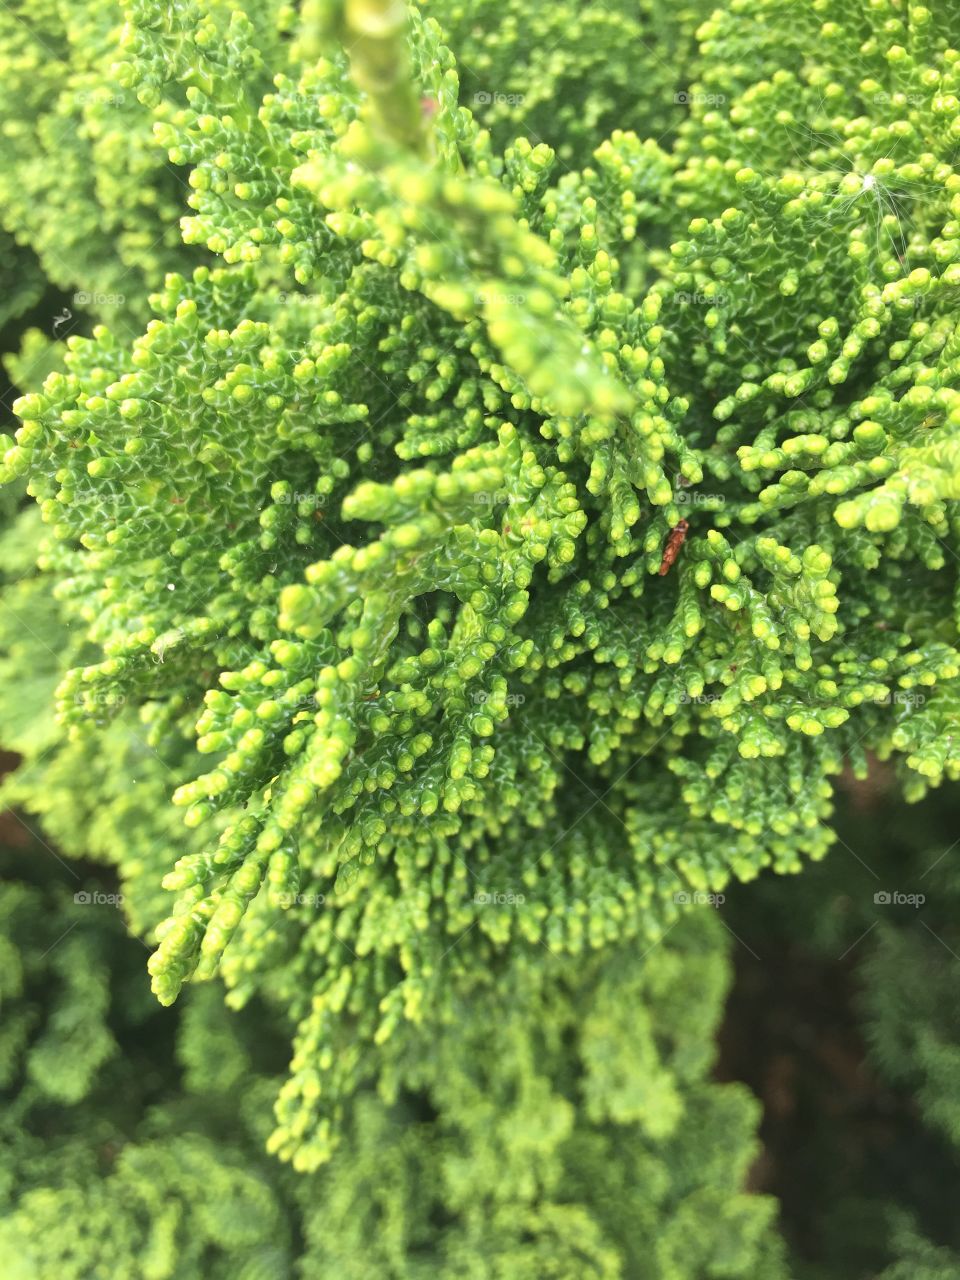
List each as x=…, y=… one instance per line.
x=674, y=543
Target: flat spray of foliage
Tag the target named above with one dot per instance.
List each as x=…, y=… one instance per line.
x=542, y=487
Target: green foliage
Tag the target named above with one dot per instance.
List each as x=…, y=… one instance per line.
x=570, y=1145
x=459, y=665
x=526, y=546
x=570, y=75
x=109, y=1166
x=81, y=182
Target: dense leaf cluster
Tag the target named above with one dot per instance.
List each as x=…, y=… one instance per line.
x=496, y=543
